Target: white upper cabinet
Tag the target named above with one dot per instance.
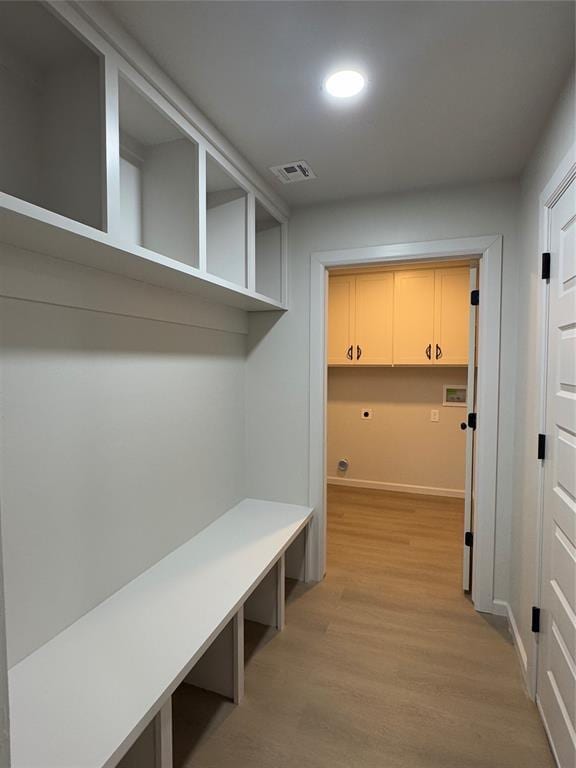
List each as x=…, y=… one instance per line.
x=374, y=319
x=102, y=163
x=414, y=317
x=431, y=311
x=451, y=314
x=51, y=115
x=341, y=317
x=431, y=315
x=399, y=317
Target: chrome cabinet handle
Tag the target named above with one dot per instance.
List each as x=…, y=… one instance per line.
x=438, y=352
x=429, y=351
x=349, y=353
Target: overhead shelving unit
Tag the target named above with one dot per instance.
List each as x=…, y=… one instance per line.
x=98, y=167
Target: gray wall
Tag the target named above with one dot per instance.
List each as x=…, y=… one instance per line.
x=122, y=433
x=556, y=141
x=278, y=361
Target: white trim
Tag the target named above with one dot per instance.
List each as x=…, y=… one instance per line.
x=505, y=609
x=489, y=250
x=499, y=608
x=425, y=490
x=556, y=185
x=108, y=36
x=35, y=229
x=548, y=733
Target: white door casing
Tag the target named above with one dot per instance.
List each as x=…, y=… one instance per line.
x=556, y=675
x=489, y=250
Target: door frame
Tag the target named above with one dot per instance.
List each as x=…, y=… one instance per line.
x=557, y=184
x=488, y=249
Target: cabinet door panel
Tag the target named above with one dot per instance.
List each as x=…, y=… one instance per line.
x=341, y=307
x=414, y=317
x=451, y=318
x=374, y=319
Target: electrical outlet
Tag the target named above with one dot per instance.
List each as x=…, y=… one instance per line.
x=434, y=415
x=366, y=413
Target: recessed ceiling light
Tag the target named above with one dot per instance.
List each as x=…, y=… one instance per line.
x=344, y=84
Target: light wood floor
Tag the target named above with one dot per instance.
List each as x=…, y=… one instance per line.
x=383, y=665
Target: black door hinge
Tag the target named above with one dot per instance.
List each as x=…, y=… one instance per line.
x=472, y=421
x=535, y=619
x=541, y=447
x=546, y=266
x=469, y=539
x=475, y=297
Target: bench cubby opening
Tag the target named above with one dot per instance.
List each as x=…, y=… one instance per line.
x=158, y=179
x=269, y=248
x=154, y=747
x=226, y=224
x=180, y=620
x=51, y=130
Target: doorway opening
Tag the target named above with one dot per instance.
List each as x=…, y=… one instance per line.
x=401, y=409
x=487, y=250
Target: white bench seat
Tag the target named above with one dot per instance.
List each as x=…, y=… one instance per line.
x=82, y=700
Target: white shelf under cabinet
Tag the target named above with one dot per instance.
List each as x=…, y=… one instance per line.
x=32, y=228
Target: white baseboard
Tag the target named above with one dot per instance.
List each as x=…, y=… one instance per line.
x=397, y=487
x=548, y=732
x=504, y=608
x=500, y=608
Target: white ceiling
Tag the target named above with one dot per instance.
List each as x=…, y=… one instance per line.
x=458, y=91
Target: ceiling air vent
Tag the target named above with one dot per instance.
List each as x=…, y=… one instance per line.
x=289, y=173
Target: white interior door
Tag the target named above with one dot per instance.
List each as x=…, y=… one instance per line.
x=556, y=686
x=470, y=408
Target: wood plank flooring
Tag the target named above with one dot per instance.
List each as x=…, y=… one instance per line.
x=385, y=664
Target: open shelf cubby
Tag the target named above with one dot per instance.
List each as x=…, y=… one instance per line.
x=226, y=216
x=268, y=254
x=51, y=131
x=158, y=179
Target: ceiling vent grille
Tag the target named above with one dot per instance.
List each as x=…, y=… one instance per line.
x=290, y=173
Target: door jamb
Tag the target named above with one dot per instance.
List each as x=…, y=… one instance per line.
x=489, y=250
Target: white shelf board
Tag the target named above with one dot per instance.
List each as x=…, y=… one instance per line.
x=32, y=228
x=81, y=700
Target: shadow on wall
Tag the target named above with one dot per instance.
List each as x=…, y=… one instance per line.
x=261, y=323
x=33, y=327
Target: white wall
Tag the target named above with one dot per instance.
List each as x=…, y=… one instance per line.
x=552, y=148
x=131, y=201
x=122, y=411
x=20, y=134
x=278, y=362
x=72, y=141
x=51, y=135
x=399, y=447
x=269, y=262
x=226, y=239
x=169, y=215
x=4, y=705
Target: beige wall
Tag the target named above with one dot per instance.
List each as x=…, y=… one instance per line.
x=399, y=446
